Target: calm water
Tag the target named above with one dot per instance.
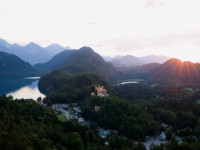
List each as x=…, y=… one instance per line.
x=130, y=82
x=21, y=88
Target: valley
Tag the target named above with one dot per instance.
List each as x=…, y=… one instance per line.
x=104, y=106
x=99, y=75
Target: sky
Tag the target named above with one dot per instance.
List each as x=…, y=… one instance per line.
x=110, y=27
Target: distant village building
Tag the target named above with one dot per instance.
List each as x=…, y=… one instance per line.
x=81, y=121
x=106, y=143
x=100, y=91
x=97, y=108
x=73, y=118
x=162, y=136
x=104, y=133
x=77, y=109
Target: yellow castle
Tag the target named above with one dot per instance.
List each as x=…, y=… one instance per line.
x=100, y=91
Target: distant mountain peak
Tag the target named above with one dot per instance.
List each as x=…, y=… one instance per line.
x=31, y=44
x=56, y=48
x=127, y=61
x=79, y=61
x=54, y=45
x=15, y=44
x=86, y=49
x=32, y=52
x=129, y=56
x=173, y=60
x=2, y=41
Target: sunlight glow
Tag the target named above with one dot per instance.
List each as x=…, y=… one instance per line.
x=137, y=27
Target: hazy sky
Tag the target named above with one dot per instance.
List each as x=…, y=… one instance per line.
x=110, y=27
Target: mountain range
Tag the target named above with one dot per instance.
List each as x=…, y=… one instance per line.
x=129, y=61
x=85, y=60
x=31, y=52
x=79, y=61
x=173, y=72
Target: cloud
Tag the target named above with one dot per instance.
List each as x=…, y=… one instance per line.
x=133, y=44
x=5, y=15
x=152, y=4
x=92, y=23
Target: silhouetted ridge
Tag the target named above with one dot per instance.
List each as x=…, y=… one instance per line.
x=173, y=61
x=79, y=61
x=13, y=66
x=176, y=72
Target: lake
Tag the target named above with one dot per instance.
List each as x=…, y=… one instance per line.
x=21, y=88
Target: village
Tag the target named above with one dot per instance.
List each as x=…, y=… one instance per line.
x=72, y=112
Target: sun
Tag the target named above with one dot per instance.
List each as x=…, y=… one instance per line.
x=184, y=52
x=185, y=56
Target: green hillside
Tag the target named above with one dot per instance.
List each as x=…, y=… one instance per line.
x=13, y=66
x=63, y=87
x=84, y=60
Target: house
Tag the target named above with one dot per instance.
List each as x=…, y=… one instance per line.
x=63, y=106
x=104, y=133
x=162, y=136
x=77, y=109
x=73, y=118
x=81, y=121
x=97, y=108
x=106, y=143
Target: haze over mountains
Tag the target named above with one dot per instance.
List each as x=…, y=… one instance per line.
x=31, y=52
x=175, y=71
x=84, y=60
x=129, y=61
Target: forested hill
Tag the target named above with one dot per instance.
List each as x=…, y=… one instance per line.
x=79, y=61
x=13, y=66
x=140, y=72
x=173, y=72
x=63, y=87
x=25, y=125
x=176, y=72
